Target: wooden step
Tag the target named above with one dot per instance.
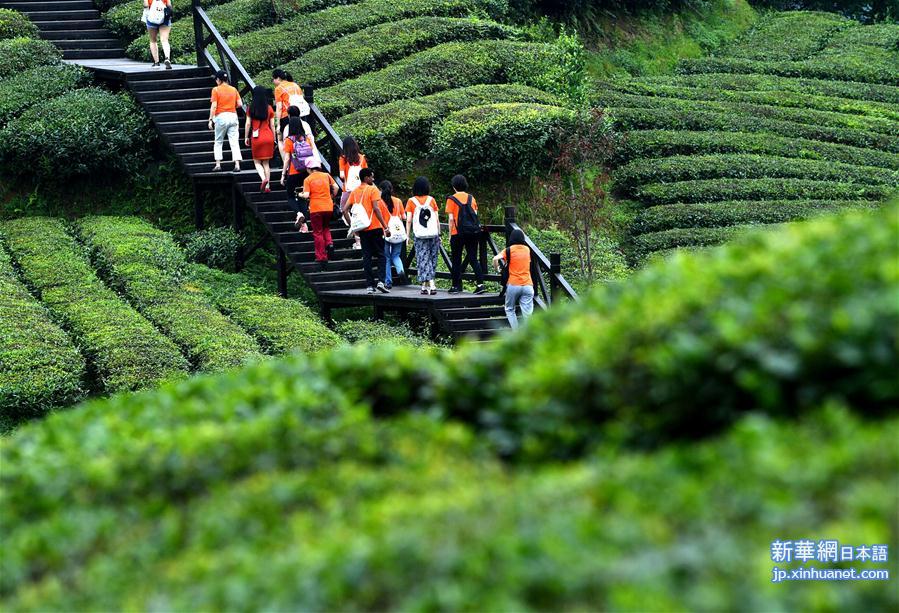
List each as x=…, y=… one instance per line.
x=341, y=285
x=64, y=35
x=87, y=43
x=70, y=25
x=62, y=5
x=162, y=95
x=487, y=323
x=159, y=83
x=184, y=104
x=201, y=72
x=333, y=266
x=474, y=312
x=93, y=54
x=329, y=275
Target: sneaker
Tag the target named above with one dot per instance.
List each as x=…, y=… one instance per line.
x=357, y=246
x=369, y=290
x=424, y=291
x=383, y=288
x=168, y=65
x=330, y=249
x=388, y=285
x=433, y=291
x=154, y=65
x=455, y=290
x=480, y=289
x=217, y=168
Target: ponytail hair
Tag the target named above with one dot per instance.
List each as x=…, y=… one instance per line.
x=295, y=127
x=386, y=188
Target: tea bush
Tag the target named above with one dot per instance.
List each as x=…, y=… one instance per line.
x=89, y=129
x=215, y=247
x=510, y=140
x=38, y=85
x=14, y=24
x=147, y=266
x=20, y=54
x=439, y=68
x=396, y=134
x=367, y=331
x=124, y=350
x=40, y=368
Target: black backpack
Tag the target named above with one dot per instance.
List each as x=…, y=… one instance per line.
x=468, y=222
x=504, y=272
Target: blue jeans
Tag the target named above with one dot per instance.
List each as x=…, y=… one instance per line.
x=523, y=296
x=393, y=255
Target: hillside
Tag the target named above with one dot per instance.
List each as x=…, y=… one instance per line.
x=527, y=475
x=797, y=117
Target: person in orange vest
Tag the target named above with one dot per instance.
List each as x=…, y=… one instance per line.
x=224, y=102
x=519, y=285
x=320, y=188
x=372, y=237
x=285, y=89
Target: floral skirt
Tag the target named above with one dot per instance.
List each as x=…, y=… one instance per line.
x=426, y=257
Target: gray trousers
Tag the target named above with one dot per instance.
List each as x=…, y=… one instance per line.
x=523, y=296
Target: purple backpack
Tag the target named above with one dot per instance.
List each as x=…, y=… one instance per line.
x=302, y=151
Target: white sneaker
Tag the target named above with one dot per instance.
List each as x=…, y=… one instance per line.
x=357, y=246
x=369, y=290
x=383, y=288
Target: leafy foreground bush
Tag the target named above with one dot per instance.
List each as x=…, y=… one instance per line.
x=380, y=332
x=500, y=140
x=147, y=266
x=124, y=350
x=14, y=24
x=399, y=133
x=40, y=368
x=90, y=130
x=18, y=54
x=279, y=324
x=38, y=85
x=275, y=484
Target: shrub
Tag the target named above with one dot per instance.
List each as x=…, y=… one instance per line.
x=83, y=131
x=40, y=368
x=147, y=266
x=671, y=119
x=771, y=83
x=659, y=143
x=382, y=44
x=445, y=66
x=215, y=247
x=231, y=18
x=123, y=17
x=124, y=351
x=396, y=134
x=20, y=54
x=38, y=85
x=882, y=111
x=279, y=324
x=269, y=47
x=608, y=263
x=14, y=24
x=367, y=331
x=788, y=36
x=842, y=67
x=757, y=189
x=800, y=116
x=735, y=212
x=285, y=9
x=676, y=238
x=500, y=140
x=738, y=166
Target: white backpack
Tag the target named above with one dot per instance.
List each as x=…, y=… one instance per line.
x=397, y=229
x=352, y=180
x=424, y=219
x=296, y=99
x=155, y=14
x=359, y=218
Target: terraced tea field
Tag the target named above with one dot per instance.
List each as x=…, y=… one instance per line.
x=798, y=117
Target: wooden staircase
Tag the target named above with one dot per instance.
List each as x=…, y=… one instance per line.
x=177, y=102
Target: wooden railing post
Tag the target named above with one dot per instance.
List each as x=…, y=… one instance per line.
x=555, y=269
x=509, y=220
x=198, y=33
x=237, y=206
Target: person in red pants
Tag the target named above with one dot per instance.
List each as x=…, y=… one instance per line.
x=320, y=188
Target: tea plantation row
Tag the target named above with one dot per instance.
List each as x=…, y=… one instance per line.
x=712, y=151
x=369, y=477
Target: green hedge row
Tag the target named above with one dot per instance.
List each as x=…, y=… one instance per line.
x=770, y=83
x=40, y=368
x=878, y=125
x=232, y=18
x=382, y=44
x=643, y=245
x=439, y=68
x=269, y=47
x=84, y=131
x=147, y=266
x=124, y=351
x=740, y=166
x=286, y=9
x=507, y=140
x=367, y=331
x=877, y=110
x=14, y=24
x=219, y=490
x=674, y=119
x=779, y=37
x=396, y=134
x=660, y=143
x=38, y=85
x=884, y=35
x=20, y=54
x=280, y=325
x=708, y=190
x=736, y=212
x=839, y=66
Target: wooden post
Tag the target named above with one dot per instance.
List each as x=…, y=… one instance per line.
x=509, y=220
x=198, y=207
x=198, y=33
x=555, y=269
x=237, y=207
x=379, y=312
x=282, y=273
